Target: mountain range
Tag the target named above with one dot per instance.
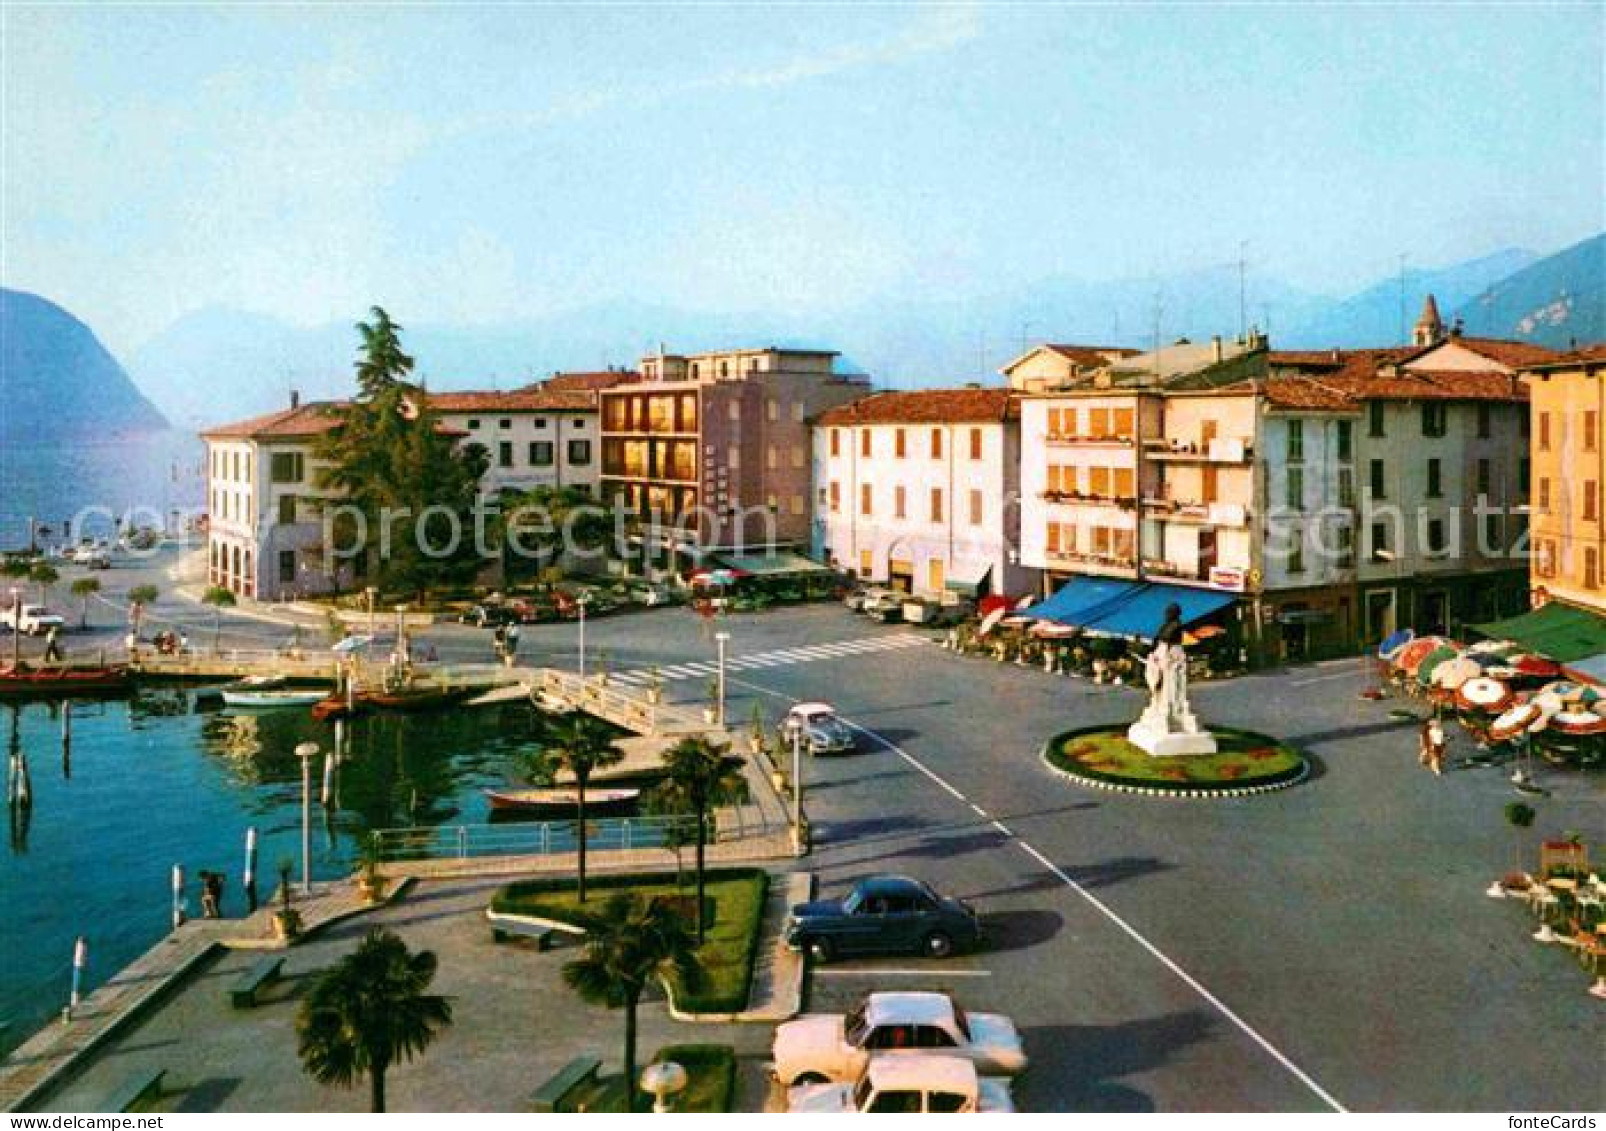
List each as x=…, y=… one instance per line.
x=57, y=382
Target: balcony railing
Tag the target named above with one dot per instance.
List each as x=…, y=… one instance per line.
x=1123, y=502
x=1090, y=559
x=1087, y=439
x=1218, y=450
x=1200, y=514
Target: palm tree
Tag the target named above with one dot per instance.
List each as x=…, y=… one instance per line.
x=369, y=1011
x=700, y=775
x=581, y=744
x=84, y=588
x=633, y=942
x=139, y=598
x=219, y=598
x=44, y=575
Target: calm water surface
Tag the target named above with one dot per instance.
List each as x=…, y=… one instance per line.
x=157, y=781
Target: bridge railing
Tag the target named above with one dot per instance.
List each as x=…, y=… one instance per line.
x=547, y=838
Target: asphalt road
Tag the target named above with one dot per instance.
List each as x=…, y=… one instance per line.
x=1328, y=945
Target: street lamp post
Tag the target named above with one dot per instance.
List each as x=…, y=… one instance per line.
x=371, y=593
x=16, y=628
x=797, y=789
x=581, y=603
x=721, y=639
x=307, y=751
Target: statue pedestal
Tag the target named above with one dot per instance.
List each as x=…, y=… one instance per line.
x=1156, y=740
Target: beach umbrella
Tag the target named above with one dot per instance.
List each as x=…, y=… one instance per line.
x=1457, y=671
x=1016, y=622
x=990, y=621
x=1528, y=664
x=1570, y=694
x=1048, y=630
x=1481, y=693
x=1514, y=721
x=1431, y=662
x=1393, y=642
x=1578, y=722
x=1408, y=657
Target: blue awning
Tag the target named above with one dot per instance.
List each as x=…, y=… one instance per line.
x=1142, y=613
x=1080, y=598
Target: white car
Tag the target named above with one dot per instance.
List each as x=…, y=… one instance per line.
x=92, y=556
x=925, y=1084
x=35, y=620
x=822, y=731
x=834, y=1047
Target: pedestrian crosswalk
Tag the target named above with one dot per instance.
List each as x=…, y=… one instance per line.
x=778, y=657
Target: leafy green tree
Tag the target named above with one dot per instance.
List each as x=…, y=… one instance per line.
x=219, y=598
x=44, y=575
x=629, y=945
x=407, y=479
x=369, y=1011
x=540, y=524
x=140, y=598
x=581, y=744
x=700, y=775
x=84, y=588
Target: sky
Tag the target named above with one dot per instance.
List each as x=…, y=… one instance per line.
x=476, y=163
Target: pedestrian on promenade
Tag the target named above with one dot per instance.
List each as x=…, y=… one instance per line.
x=510, y=646
x=53, y=645
x=1431, y=743
x=209, y=894
x=499, y=643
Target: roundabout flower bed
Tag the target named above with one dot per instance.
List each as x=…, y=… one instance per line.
x=1245, y=762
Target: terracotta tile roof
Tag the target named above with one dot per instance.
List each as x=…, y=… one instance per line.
x=1513, y=355
x=311, y=419
x=1584, y=355
x=1092, y=356
x=927, y=406
x=1312, y=359
x=534, y=399
x=585, y=382
x=1442, y=385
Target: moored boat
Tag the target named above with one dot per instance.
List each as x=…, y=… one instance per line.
x=46, y=681
x=563, y=802
x=273, y=697
x=337, y=704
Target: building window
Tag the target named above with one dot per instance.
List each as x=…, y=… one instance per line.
x=1346, y=545
x=1524, y=476
x=1591, y=430
x=1296, y=487
x=1437, y=546
x=975, y=443
x=287, y=510
x=836, y=497
x=1485, y=478
x=864, y=500
x=1544, y=564
x=936, y=443
x=798, y=458
x=864, y=442
x=287, y=567
x=898, y=500
x=1378, y=491
x=504, y=454
x=473, y=424
x=1485, y=420
x=286, y=467
x=772, y=458
x=541, y=453
x=734, y=412
x=504, y=423
x=578, y=424
x=1544, y=492
x=1591, y=500
x=1296, y=441
x=1374, y=419
x=936, y=504
x=1591, y=568
x=1346, y=487
x=540, y=424
x=1544, y=431
x=836, y=442
x=797, y=505
x=1435, y=479
x=977, y=511
x=579, y=453
x=900, y=443
x=772, y=410
x=1380, y=542
x=1434, y=416
x=866, y=563
x=1296, y=553
x=797, y=412
x=1346, y=439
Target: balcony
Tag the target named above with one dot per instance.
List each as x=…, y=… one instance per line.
x=1111, y=564
x=1219, y=450
x=1077, y=498
x=1232, y=515
x=1066, y=439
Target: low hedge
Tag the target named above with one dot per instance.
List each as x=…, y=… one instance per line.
x=1243, y=759
x=728, y=951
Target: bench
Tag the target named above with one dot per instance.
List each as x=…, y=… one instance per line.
x=244, y=991
x=131, y=1091
x=580, y=1070
x=505, y=926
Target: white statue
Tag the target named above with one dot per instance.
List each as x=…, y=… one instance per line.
x=1168, y=724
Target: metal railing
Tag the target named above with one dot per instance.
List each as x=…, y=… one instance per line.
x=547, y=838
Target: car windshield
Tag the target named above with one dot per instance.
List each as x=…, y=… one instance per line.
x=853, y=1026
x=961, y=1021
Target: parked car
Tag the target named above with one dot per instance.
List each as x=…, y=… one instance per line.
x=530, y=611
x=488, y=616
x=838, y=1048
x=35, y=620
x=92, y=557
x=822, y=730
x=649, y=593
x=854, y=598
x=923, y=1084
x=883, y=915
x=884, y=605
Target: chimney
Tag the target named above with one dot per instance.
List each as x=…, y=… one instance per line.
x=1215, y=347
x=295, y=399
x=1335, y=355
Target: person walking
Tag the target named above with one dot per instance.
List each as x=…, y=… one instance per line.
x=510, y=646
x=499, y=643
x=53, y=645
x=209, y=893
x=1430, y=745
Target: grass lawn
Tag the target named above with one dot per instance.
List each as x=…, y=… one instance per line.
x=710, y=1085
x=735, y=898
x=1242, y=759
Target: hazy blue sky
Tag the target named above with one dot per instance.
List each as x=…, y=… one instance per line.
x=475, y=163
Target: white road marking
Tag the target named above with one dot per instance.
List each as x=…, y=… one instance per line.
x=1321, y=678
x=980, y=812
x=1132, y=932
x=883, y=972
x=1003, y=828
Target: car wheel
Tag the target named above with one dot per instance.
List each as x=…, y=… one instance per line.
x=938, y=945
x=819, y=950
x=809, y=1078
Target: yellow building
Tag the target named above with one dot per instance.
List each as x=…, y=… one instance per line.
x=1568, y=455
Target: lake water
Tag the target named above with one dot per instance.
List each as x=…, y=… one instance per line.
x=52, y=482
x=156, y=781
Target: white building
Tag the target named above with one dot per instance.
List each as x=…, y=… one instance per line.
x=535, y=437
x=919, y=490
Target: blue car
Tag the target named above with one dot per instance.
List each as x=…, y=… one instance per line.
x=883, y=915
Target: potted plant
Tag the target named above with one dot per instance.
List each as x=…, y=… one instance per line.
x=1519, y=815
x=755, y=729
x=286, y=920
x=371, y=882
x=711, y=711
x=655, y=685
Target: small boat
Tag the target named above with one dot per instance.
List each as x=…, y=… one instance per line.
x=564, y=802
x=336, y=704
x=269, y=698
x=25, y=680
